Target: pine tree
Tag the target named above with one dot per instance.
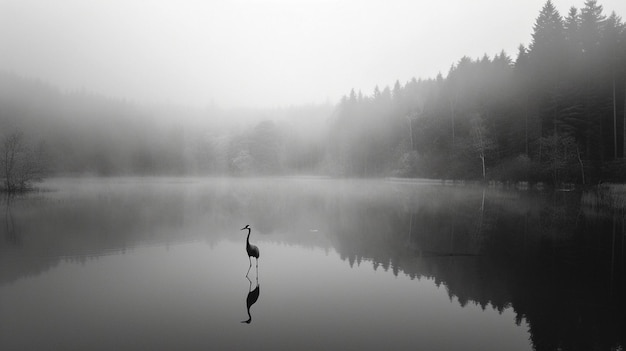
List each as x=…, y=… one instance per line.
x=546, y=57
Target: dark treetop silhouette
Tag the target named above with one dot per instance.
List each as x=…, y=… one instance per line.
x=253, y=296
x=252, y=250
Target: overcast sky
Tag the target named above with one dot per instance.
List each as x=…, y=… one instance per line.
x=255, y=53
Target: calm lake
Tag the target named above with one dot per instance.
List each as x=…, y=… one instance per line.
x=160, y=264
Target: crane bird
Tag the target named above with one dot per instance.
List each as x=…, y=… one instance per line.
x=252, y=250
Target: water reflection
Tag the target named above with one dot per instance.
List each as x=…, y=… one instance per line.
x=559, y=266
x=11, y=234
x=252, y=297
x=561, y=269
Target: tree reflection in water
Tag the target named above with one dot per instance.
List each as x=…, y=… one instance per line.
x=11, y=233
x=559, y=266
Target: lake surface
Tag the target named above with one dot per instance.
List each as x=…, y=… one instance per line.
x=160, y=264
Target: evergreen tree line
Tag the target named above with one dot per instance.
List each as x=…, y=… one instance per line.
x=557, y=113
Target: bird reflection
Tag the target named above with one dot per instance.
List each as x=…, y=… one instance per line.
x=253, y=296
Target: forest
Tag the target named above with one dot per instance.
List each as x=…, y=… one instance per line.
x=556, y=113
x=81, y=133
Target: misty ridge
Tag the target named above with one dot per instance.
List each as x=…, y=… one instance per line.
x=555, y=113
x=89, y=134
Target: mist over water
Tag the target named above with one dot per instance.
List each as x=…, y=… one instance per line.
x=131, y=263
x=304, y=174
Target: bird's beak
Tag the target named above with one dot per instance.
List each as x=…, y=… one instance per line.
x=243, y=228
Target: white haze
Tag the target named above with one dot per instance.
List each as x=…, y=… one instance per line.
x=258, y=53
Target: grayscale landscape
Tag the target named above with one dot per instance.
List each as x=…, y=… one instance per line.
x=312, y=175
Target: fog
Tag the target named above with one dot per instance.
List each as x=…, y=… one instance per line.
x=257, y=53
x=459, y=166
x=86, y=134
x=405, y=89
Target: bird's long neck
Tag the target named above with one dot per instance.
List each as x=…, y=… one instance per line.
x=248, y=238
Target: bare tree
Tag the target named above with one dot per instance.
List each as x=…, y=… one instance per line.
x=482, y=143
x=20, y=164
